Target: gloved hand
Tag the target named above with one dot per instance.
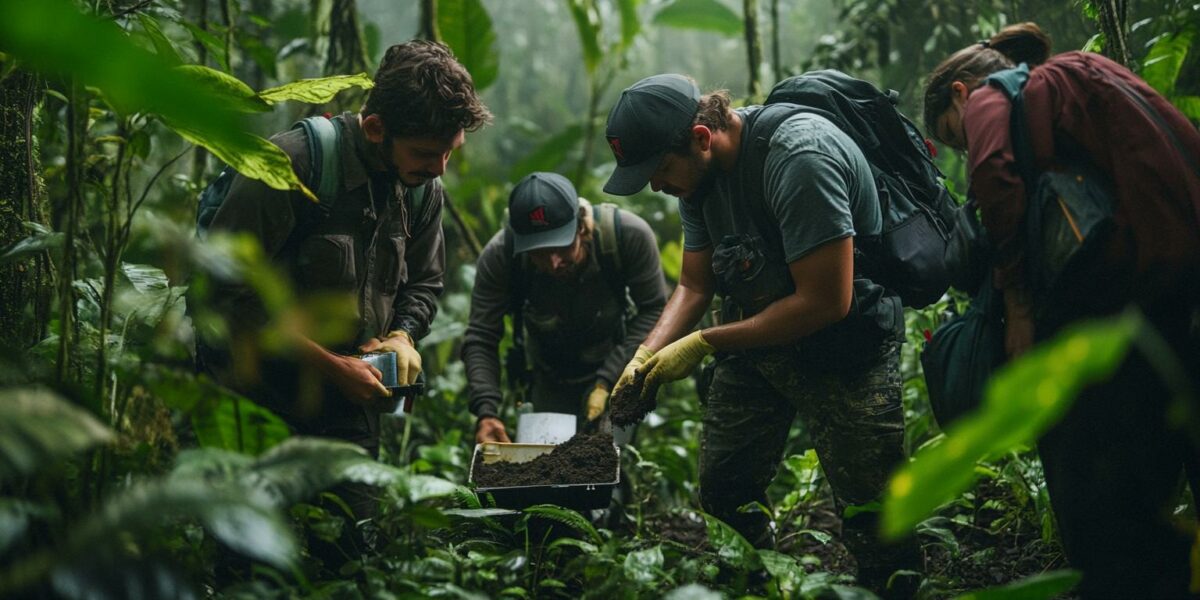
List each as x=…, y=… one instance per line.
x=597, y=400
x=675, y=361
x=639, y=358
x=408, y=360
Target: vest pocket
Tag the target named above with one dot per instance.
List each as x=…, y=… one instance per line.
x=327, y=262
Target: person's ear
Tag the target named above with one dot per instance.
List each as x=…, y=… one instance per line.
x=373, y=128
x=959, y=92
x=702, y=136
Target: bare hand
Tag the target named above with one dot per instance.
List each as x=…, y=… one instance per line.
x=490, y=429
x=360, y=382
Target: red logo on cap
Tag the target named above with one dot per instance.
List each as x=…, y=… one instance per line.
x=615, y=144
x=537, y=216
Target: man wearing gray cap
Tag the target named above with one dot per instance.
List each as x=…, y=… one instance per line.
x=567, y=272
x=801, y=331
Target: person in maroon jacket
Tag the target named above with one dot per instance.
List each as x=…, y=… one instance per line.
x=1113, y=463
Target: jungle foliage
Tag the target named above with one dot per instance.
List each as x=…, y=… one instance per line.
x=123, y=472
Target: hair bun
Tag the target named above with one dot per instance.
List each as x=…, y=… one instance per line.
x=1022, y=43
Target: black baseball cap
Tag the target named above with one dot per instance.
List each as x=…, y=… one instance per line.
x=642, y=125
x=543, y=211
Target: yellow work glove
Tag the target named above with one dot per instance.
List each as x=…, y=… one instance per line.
x=675, y=361
x=408, y=360
x=597, y=400
x=639, y=358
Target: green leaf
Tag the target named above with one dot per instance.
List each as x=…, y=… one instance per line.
x=145, y=278
x=250, y=155
x=1188, y=105
x=233, y=91
x=162, y=46
x=38, y=427
x=706, y=15
x=316, y=91
x=587, y=23
x=243, y=522
x=33, y=245
x=212, y=43
x=1023, y=400
x=630, y=23
x=423, y=487
x=549, y=154
x=644, y=566
x=693, y=591
x=567, y=517
x=16, y=516
x=731, y=547
x=1042, y=586
x=466, y=27
x=1161, y=67
x=52, y=36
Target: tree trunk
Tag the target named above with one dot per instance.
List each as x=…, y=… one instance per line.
x=1114, y=16
x=753, y=46
x=776, y=59
x=429, y=28
x=24, y=284
x=347, y=53
x=200, y=157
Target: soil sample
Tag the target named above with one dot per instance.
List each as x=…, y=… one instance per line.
x=628, y=407
x=585, y=458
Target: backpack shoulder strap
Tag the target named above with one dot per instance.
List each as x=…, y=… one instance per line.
x=1011, y=82
x=324, y=138
x=416, y=206
x=608, y=238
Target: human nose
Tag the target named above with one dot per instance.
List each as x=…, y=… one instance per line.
x=438, y=166
x=556, y=261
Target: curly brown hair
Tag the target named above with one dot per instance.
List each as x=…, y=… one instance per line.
x=421, y=90
x=712, y=112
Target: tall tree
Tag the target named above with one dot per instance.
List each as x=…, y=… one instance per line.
x=753, y=47
x=347, y=53
x=24, y=283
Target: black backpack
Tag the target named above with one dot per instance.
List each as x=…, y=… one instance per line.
x=908, y=257
x=608, y=237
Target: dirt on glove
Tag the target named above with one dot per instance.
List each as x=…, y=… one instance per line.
x=628, y=406
x=585, y=458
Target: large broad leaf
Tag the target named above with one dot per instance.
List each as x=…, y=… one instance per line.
x=1188, y=105
x=644, y=566
x=220, y=417
x=162, y=46
x=118, y=577
x=234, y=91
x=731, y=547
x=550, y=154
x=1022, y=401
x=1042, y=586
x=244, y=522
x=587, y=23
x=38, y=427
x=466, y=27
x=1165, y=59
x=316, y=91
x=42, y=239
x=250, y=155
x=707, y=15
x=52, y=36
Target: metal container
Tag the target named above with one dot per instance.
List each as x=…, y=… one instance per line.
x=578, y=496
x=545, y=428
x=403, y=395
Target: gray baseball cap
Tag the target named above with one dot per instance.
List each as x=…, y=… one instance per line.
x=642, y=125
x=543, y=211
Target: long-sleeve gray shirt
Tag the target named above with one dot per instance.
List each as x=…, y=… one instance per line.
x=570, y=324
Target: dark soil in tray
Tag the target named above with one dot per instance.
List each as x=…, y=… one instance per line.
x=628, y=406
x=585, y=458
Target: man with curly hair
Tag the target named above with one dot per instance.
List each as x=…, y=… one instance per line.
x=379, y=238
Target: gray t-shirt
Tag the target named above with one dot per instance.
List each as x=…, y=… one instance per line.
x=817, y=186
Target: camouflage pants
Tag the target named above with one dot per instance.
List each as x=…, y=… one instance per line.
x=855, y=419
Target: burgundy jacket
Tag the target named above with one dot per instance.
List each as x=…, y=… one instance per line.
x=1070, y=100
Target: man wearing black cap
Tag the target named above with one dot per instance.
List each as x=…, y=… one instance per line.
x=566, y=270
x=801, y=331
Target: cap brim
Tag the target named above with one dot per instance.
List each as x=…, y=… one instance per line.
x=629, y=180
x=552, y=238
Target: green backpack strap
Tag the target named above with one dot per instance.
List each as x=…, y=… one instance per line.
x=416, y=205
x=608, y=238
x=324, y=140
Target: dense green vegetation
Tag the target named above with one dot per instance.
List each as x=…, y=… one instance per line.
x=121, y=470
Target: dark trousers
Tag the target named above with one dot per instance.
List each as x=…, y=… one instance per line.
x=856, y=422
x=1113, y=467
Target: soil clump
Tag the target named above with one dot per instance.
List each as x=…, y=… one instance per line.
x=585, y=458
x=629, y=406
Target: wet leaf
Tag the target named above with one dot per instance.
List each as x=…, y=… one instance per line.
x=316, y=91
